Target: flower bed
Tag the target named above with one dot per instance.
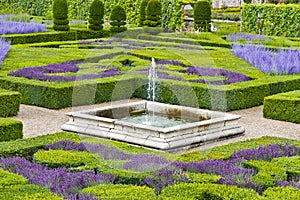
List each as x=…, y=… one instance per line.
x=4, y=48
x=113, y=165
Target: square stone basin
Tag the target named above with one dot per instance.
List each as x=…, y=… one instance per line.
x=143, y=123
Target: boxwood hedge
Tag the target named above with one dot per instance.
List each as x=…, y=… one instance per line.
x=10, y=129
x=8, y=179
x=283, y=106
x=9, y=103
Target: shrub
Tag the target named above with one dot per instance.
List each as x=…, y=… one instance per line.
x=153, y=13
x=118, y=19
x=96, y=15
x=8, y=179
x=291, y=164
x=143, y=7
x=4, y=48
x=26, y=192
x=125, y=192
x=10, y=129
x=202, y=16
x=282, y=193
x=62, y=158
x=9, y=103
x=60, y=15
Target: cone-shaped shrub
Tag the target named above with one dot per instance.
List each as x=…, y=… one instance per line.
x=96, y=15
x=143, y=7
x=202, y=16
x=60, y=15
x=153, y=13
x=118, y=19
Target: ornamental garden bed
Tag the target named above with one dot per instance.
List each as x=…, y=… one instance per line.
x=70, y=166
x=94, y=71
x=283, y=106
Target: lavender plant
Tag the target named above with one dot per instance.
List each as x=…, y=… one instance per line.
x=270, y=62
x=267, y=153
x=294, y=183
x=234, y=37
x=20, y=27
x=4, y=48
x=66, y=145
x=59, y=181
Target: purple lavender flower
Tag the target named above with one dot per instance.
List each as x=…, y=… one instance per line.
x=268, y=61
x=170, y=62
x=4, y=48
x=19, y=27
x=108, y=153
x=81, y=197
x=234, y=37
x=59, y=180
x=267, y=153
x=294, y=183
x=146, y=162
x=66, y=145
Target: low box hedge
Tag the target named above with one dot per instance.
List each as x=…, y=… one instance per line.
x=55, y=36
x=191, y=191
x=283, y=106
x=27, y=192
x=8, y=179
x=282, y=193
x=27, y=147
x=10, y=129
x=9, y=103
x=125, y=192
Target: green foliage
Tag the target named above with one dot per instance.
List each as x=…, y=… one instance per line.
x=27, y=192
x=290, y=164
x=202, y=16
x=60, y=15
x=125, y=192
x=68, y=159
x=283, y=106
x=202, y=178
x=190, y=191
x=10, y=129
x=96, y=15
x=268, y=173
x=172, y=15
x=153, y=13
x=9, y=103
x=282, y=193
x=8, y=179
x=118, y=19
x=270, y=19
x=142, y=13
x=27, y=147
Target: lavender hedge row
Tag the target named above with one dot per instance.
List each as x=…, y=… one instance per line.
x=235, y=37
x=268, y=61
x=19, y=27
x=4, y=48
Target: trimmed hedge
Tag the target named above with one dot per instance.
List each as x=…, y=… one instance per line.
x=55, y=36
x=283, y=106
x=202, y=15
x=62, y=158
x=282, y=193
x=118, y=19
x=96, y=15
x=27, y=192
x=291, y=164
x=153, y=13
x=130, y=192
x=191, y=191
x=10, y=129
x=8, y=179
x=142, y=13
x=270, y=19
x=9, y=103
x=60, y=15
x=27, y=147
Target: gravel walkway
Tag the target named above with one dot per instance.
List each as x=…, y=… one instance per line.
x=40, y=121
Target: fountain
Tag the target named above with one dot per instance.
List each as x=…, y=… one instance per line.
x=155, y=125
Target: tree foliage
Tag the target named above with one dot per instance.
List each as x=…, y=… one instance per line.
x=202, y=15
x=60, y=15
x=96, y=15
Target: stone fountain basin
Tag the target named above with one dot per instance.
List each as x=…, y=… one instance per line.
x=203, y=126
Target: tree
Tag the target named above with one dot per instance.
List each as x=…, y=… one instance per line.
x=118, y=19
x=96, y=15
x=143, y=7
x=153, y=13
x=60, y=15
x=202, y=15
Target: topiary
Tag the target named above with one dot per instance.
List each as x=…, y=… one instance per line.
x=202, y=15
x=153, y=13
x=60, y=15
x=96, y=15
x=118, y=19
x=143, y=7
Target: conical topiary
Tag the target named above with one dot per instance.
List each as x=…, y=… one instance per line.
x=118, y=19
x=60, y=15
x=153, y=13
x=143, y=7
x=96, y=15
x=202, y=15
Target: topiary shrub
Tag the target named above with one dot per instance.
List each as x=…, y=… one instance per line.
x=96, y=15
x=118, y=19
x=143, y=7
x=60, y=15
x=153, y=13
x=10, y=129
x=202, y=16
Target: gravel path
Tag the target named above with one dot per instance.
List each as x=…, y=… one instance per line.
x=40, y=121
